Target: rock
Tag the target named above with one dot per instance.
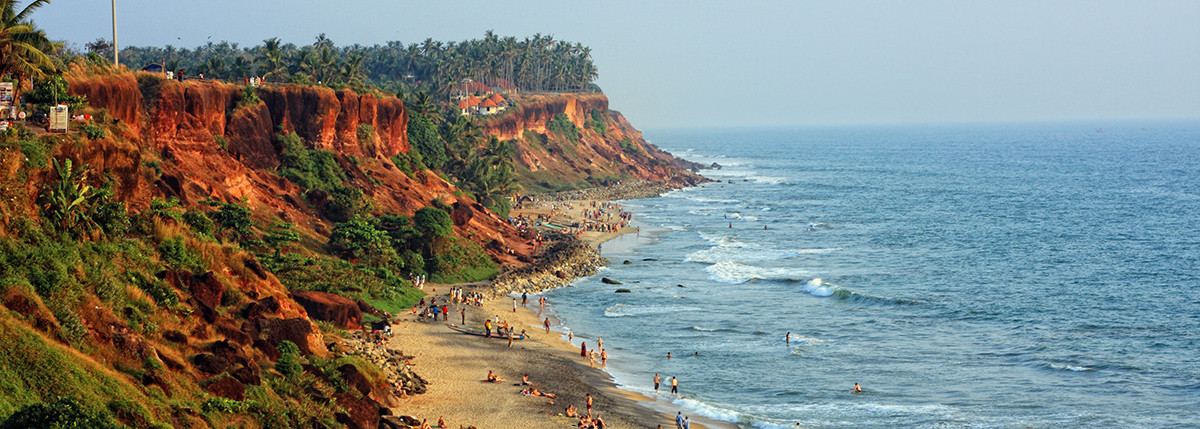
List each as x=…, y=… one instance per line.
x=364, y=307
x=175, y=336
x=623, y=291
x=297, y=330
x=263, y=307
x=207, y=289
x=609, y=281
x=247, y=375
x=361, y=413
x=227, y=387
x=210, y=363
x=680, y=286
x=354, y=378
x=339, y=310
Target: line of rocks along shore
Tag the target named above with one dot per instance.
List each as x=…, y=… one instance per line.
x=564, y=257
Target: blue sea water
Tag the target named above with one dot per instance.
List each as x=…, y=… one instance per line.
x=1002, y=276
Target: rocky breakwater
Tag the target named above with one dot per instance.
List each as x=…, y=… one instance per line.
x=562, y=259
x=399, y=375
x=626, y=190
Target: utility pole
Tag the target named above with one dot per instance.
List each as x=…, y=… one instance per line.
x=116, y=60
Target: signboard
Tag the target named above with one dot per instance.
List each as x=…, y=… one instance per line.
x=59, y=118
x=6, y=94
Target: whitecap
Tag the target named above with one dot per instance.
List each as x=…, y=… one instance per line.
x=736, y=272
x=1070, y=367
x=816, y=287
x=628, y=310
x=708, y=410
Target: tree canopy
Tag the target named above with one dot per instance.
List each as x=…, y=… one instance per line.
x=536, y=63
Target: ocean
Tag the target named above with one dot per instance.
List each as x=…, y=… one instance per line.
x=998, y=276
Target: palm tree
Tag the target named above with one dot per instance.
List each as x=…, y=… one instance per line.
x=23, y=47
x=270, y=59
x=352, y=71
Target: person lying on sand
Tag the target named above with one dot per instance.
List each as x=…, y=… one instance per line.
x=534, y=392
x=493, y=378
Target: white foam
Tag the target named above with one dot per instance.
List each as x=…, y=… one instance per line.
x=816, y=287
x=627, y=310
x=1069, y=367
x=707, y=410
x=736, y=272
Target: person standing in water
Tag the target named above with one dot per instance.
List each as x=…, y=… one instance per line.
x=674, y=385
x=788, y=338
x=657, y=380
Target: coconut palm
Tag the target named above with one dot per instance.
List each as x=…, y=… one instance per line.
x=23, y=48
x=271, y=59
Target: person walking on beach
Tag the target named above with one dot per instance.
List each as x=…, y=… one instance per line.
x=547, y=323
x=687, y=423
x=487, y=327
x=510, y=338
x=678, y=420
x=657, y=380
x=603, y=358
x=589, y=403
x=524, y=298
x=445, y=312
x=583, y=349
x=674, y=386
x=464, y=316
x=514, y=305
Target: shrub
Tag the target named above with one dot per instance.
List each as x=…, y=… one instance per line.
x=222, y=142
x=249, y=96
x=63, y=413
x=597, y=123
x=461, y=260
x=289, y=359
x=177, y=255
x=424, y=138
x=92, y=131
x=431, y=222
x=562, y=125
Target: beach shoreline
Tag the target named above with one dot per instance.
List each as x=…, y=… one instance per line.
x=455, y=364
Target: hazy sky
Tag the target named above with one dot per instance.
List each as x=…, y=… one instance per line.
x=745, y=63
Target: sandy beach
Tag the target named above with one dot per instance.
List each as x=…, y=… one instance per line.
x=456, y=365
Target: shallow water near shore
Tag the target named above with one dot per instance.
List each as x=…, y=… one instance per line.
x=966, y=276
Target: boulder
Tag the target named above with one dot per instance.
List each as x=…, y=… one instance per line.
x=175, y=336
x=364, y=307
x=361, y=413
x=207, y=289
x=263, y=307
x=247, y=375
x=210, y=363
x=609, y=281
x=227, y=387
x=354, y=378
x=339, y=310
x=297, y=330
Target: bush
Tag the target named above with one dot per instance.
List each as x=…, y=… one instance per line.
x=461, y=260
x=177, y=255
x=562, y=125
x=92, y=131
x=249, y=96
x=36, y=150
x=63, y=413
x=424, y=138
x=431, y=223
x=289, y=359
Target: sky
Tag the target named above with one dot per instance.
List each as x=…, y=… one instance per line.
x=681, y=64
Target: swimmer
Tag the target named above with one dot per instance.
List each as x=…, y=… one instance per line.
x=856, y=389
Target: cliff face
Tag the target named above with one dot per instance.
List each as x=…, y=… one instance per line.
x=187, y=123
x=613, y=150
x=533, y=113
